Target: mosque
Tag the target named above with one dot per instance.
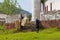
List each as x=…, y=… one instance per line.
x=47, y=18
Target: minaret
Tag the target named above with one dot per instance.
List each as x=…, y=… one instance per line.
x=36, y=7
x=51, y=7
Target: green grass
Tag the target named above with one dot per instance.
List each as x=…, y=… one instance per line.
x=46, y=34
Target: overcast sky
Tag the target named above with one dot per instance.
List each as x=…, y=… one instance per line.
x=27, y=4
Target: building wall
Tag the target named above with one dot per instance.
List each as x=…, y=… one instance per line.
x=3, y=15
x=55, y=4
x=55, y=16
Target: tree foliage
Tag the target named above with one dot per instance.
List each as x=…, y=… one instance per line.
x=1, y=9
x=8, y=6
x=30, y=16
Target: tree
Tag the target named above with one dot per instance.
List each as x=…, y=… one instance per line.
x=30, y=17
x=9, y=6
x=43, y=1
x=1, y=8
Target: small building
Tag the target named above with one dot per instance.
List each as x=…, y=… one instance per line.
x=2, y=18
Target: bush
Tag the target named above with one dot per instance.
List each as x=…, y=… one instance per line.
x=3, y=30
x=29, y=17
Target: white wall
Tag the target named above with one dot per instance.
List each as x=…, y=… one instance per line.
x=55, y=4
x=41, y=7
x=3, y=15
x=55, y=16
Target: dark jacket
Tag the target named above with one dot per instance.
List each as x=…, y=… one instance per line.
x=37, y=23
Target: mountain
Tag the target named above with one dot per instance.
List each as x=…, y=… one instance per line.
x=0, y=3
x=22, y=12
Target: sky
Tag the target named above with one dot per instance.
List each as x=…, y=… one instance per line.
x=27, y=4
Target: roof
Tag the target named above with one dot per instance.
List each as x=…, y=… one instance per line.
x=3, y=15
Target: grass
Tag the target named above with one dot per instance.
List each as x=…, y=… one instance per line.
x=46, y=34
